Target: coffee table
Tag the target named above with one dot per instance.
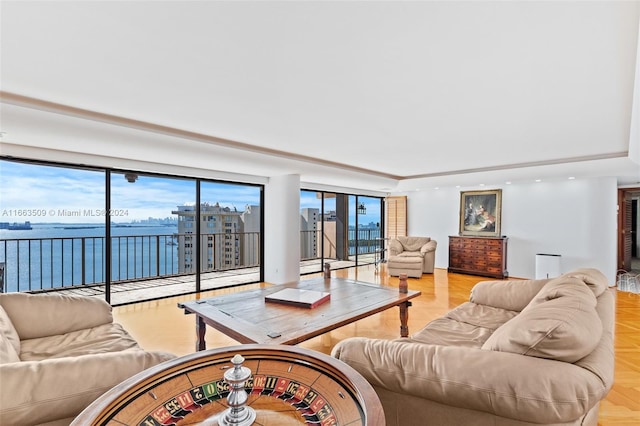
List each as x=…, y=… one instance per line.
x=246, y=316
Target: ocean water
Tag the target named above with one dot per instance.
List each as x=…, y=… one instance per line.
x=55, y=255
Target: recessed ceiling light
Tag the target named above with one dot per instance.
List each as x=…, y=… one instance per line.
x=457, y=186
x=482, y=184
x=508, y=182
x=538, y=180
x=571, y=177
x=436, y=187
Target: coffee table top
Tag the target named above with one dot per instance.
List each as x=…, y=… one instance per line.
x=246, y=316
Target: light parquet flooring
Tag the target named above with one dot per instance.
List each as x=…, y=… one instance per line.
x=161, y=325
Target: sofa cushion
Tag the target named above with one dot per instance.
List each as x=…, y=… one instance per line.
x=44, y=391
x=448, y=332
x=560, y=323
x=468, y=325
x=7, y=352
x=480, y=315
x=413, y=243
x=9, y=331
x=409, y=262
x=39, y=315
x=512, y=295
x=595, y=279
x=411, y=254
x=102, y=339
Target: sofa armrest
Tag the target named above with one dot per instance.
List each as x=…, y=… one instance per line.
x=505, y=384
x=40, y=391
x=40, y=315
x=512, y=295
x=395, y=247
x=428, y=247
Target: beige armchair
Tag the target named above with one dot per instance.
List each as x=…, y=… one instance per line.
x=412, y=256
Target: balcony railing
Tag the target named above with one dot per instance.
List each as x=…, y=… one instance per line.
x=361, y=241
x=364, y=241
x=52, y=263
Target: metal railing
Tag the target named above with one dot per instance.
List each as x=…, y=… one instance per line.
x=58, y=262
x=364, y=241
x=52, y=263
x=361, y=241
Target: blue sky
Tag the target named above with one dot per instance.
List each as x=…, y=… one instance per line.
x=308, y=199
x=50, y=191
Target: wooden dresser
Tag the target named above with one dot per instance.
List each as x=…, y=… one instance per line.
x=483, y=256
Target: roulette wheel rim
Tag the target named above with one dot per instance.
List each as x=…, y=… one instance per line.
x=354, y=391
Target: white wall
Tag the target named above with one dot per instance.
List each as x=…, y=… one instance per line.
x=576, y=219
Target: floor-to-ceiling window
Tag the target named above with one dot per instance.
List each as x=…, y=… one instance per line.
x=230, y=227
x=365, y=229
x=144, y=234
x=57, y=223
x=52, y=226
x=340, y=229
x=311, y=221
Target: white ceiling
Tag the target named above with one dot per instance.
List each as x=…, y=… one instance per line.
x=392, y=93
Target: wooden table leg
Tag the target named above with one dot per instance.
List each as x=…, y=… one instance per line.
x=404, y=319
x=201, y=328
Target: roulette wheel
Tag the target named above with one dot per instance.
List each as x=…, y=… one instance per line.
x=267, y=384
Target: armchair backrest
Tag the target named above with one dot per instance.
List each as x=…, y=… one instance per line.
x=400, y=244
x=413, y=243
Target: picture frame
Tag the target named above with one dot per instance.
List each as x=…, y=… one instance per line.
x=480, y=213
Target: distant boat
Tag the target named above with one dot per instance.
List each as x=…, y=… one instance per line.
x=20, y=226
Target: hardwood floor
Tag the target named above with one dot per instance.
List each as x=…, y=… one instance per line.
x=161, y=325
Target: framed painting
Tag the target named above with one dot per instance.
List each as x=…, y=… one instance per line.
x=480, y=213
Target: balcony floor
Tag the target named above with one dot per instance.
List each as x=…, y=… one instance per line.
x=148, y=289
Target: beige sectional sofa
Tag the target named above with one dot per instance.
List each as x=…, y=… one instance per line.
x=58, y=353
x=520, y=352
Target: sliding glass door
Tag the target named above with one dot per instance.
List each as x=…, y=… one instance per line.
x=127, y=235
x=340, y=229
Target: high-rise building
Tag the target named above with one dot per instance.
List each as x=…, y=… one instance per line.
x=309, y=233
x=220, y=232
x=250, y=239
